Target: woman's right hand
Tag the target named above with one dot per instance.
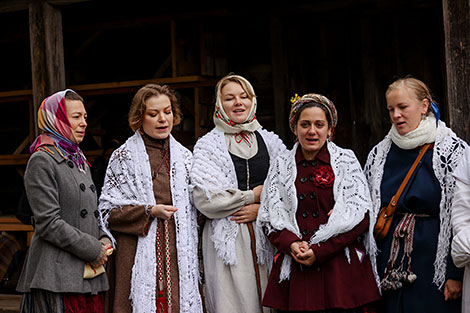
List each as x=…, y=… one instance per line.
x=163, y=211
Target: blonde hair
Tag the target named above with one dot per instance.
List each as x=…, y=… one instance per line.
x=419, y=89
x=247, y=87
x=137, y=109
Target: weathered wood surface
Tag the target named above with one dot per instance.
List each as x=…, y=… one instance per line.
x=47, y=51
x=457, y=45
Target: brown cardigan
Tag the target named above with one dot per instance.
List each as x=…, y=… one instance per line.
x=130, y=222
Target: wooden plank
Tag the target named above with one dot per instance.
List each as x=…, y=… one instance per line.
x=20, y=5
x=10, y=303
x=13, y=5
x=11, y=223
x=117, y=87
x=47, y=51
x=457, y=46
x=139, y=83
x=22, y=145
x=16, y=93
x=14, y=159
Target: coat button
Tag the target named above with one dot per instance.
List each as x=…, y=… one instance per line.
x=70, y=164
x=311, y=179
x=314, y=163
x=302, y=196
x=315, y=214
x=304, y=164
x=97, y=213
x=92, y=187
x=82, y=186
x=305, y=232
x=313, y=195
x=303, y=179
x=83, y=213
x=305, y=214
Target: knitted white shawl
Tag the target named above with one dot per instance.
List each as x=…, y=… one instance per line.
x=279, y=203
x=128, y=181
x=213, y=170
x=447, y=153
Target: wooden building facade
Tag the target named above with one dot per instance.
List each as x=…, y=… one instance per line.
x=348, y=50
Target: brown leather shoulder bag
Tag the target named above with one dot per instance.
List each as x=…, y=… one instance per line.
x=385, y=216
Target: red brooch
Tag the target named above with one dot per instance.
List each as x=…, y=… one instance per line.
x=323, y=177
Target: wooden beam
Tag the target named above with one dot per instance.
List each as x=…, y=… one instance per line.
x=20, y=5
x=117, y=87
x=23, y=145
x=47, y=51
x=457, y=45
x=13, y=5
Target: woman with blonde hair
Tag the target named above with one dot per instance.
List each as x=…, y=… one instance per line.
x=146, y=209
x=229, y=168
x=416, y=271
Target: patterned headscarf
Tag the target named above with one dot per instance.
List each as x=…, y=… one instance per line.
x=57, y=131
x=299, y=102
x=240, y=137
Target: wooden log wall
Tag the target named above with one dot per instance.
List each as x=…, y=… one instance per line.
x=457, y=42
x=47, y=51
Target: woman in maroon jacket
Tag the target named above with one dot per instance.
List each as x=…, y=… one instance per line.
x=315, y=210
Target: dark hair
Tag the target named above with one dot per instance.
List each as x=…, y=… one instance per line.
x=137, y=110
x=72, y=95
x=313, y=104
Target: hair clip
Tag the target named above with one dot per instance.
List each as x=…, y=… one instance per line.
x=294, y=98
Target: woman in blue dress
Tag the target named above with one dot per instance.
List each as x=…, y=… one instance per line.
x=414, y=264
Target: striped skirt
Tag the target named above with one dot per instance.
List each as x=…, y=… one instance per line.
x=42, y=301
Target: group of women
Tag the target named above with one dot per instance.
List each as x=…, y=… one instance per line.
x=285, y=230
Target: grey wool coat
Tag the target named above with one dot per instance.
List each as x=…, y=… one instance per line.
x=66, y=234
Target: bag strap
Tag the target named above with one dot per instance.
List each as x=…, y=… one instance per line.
x=393, y=203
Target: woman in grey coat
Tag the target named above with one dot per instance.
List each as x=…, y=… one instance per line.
x=64, y=205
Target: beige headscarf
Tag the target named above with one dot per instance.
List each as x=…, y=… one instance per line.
x=239, y=137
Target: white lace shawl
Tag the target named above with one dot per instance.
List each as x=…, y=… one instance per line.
x=279, y=203
x=213, y=170
x=447, y=153
x=128, y=182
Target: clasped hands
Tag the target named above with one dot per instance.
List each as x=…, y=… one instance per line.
x=302, y=253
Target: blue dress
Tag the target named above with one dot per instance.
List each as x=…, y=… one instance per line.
x=421, y=196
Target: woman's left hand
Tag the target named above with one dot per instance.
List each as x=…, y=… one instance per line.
x=246, y=214
x=452, y=289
